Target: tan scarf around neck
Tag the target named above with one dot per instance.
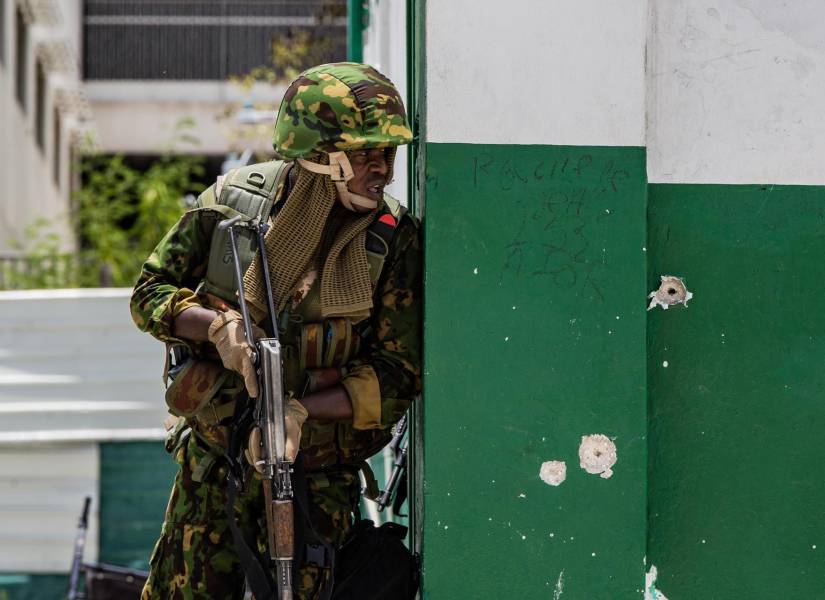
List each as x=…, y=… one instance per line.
x=292, y=243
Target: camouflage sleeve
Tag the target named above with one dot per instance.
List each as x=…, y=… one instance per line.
x=386, y=376
x=172, y=271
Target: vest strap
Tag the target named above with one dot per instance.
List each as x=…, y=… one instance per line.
x=250, y=192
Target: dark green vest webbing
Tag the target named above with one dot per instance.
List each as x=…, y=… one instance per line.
x=248, y=191
x=251, y=191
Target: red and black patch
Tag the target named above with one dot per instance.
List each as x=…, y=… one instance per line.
x=384, y=226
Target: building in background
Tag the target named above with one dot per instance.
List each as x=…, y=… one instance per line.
x=123, y=74
x=149, y=65
x=43, y=114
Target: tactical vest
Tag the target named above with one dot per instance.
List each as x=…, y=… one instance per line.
x=251, y=192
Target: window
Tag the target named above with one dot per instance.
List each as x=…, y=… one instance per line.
x=56, y=143
x=21, y=38
x=205, y=39
x=40, y=104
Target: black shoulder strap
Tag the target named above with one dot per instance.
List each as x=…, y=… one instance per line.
x=383, y=228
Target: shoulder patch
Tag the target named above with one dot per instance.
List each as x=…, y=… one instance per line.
x=388, y=219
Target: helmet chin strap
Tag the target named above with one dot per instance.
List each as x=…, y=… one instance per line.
x=340, y=171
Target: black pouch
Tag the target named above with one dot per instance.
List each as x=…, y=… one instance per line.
x=374, y=564
x=109, y=581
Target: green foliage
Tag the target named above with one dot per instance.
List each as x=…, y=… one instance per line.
x=121, y=213
x=298, y=49
x=38, y=262
x=291, y=52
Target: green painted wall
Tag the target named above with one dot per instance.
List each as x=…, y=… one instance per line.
x=135, y=480
x=736, y=501
x=534, y=337
x=33, y=587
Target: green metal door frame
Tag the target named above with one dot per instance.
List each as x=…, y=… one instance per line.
x=355, y=30
x=416, y=9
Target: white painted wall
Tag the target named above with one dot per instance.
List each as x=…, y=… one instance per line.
x=27, y=188
x=736, y=91
x=139, y=117
x=385, y=48
x=536, y=72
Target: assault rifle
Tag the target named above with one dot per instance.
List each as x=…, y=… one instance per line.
x=399, y=451
x=102, y=581
x=77, y=558
x=269, y=415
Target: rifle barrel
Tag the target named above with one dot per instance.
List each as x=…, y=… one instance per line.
x=77, y=556
x=229, y=225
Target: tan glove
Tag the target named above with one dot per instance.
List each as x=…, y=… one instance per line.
x=226, y=332
x=294, y=416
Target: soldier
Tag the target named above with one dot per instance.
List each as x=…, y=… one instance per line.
x=346, y=276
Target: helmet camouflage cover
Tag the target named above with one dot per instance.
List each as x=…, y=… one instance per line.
x=340, y=107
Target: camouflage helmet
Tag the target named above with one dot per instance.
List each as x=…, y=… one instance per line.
x=340, y=107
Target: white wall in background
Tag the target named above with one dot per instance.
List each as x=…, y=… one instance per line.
x=74, y=371
x=385, y=48
x=736, y=90
x=136, y=117
x=528, y=72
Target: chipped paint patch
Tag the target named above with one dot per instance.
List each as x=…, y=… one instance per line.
x=597, y=455
x=651, y=593
x=553, y=472
x=671, y=291
x=559, y=589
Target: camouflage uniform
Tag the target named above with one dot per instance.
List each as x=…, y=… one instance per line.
x=195, y=556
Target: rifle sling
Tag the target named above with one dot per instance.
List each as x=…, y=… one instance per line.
x=257, y=576
x=254, y=565
x=304, y=523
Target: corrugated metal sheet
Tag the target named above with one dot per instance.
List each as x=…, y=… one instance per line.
x=74, y=371
x=41, y=496
x=73, y=367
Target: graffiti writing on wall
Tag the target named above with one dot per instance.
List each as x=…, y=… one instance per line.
x=561, y=206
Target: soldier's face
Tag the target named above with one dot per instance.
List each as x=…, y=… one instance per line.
x=371, y=169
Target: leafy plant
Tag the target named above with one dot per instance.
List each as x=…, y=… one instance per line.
x=119, y=214
x=299, y=48
x=37, y=261
x=122, y=213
